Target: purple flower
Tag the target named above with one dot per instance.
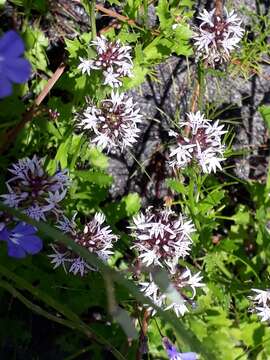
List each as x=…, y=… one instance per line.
x=13, y=68
x=173, y=353
x=22, y=240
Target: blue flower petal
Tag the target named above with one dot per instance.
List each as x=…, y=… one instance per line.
x=5, y=86
x=16, y=251
x=24, y=228
x=18, y=70
x=188, y=356
x=11, y=45
x=4, y=235
x=31, y=244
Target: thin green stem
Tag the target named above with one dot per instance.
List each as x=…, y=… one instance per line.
x=80, y=352
x=145, y=13
x=93, y=19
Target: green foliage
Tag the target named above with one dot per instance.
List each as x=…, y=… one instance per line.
x=102, y=313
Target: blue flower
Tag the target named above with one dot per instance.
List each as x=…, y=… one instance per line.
x=22, y=240
x=13, y=68
x=173, y=353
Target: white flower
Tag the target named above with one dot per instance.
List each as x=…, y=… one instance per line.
x=263, y=312
x=186, y=279
x=174, y=297
x=202, y=145
x=114, y=123
x=112, y=58
x=261, y=303
x=59, y=258
x=33, y=190
x=79, y=266
x=217, y=36
x=85, y=65
x=95, y=237
x=151, y=290
x=161, y=237
x=262, y=297
x=179, y=309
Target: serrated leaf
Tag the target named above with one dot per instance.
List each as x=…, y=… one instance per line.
x=163, y=13
x=96, y=177
x=177, y=186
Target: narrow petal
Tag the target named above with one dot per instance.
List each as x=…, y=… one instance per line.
x=18, y=70
x=189, y=356
x=11, y=45
x=5, y=86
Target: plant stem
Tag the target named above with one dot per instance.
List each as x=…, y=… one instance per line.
x=145, y=13
x=219, y=8
x=93, y=19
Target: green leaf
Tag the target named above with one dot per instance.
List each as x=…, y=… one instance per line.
x=97, y=177
x=132, y=203
x=265, y=112
x=163, y=13
x=177, y=186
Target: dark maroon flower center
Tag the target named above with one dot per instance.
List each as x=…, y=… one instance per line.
x=108, y=57
x=219, y=29
x=114, y=118
x=90, y=240
x=162, y=243
x=200, y=138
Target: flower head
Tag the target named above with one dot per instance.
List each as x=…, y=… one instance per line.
x=13, y=68
x=112, y=58
x=114, y=122
x=202, y=144
x=33, y=190
x=179, y=294
x=217, y=36
x=261, y=303
x=21, y=240
x=95, y=237
x=174, y=354
x=161, y=237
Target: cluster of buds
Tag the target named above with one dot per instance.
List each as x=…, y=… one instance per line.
x=161, y=238
x=114, y=122
x=199, y=141
x=95, y=237
x=217, y=36
x=112, y=58
x=32, y=190
x=261, y=304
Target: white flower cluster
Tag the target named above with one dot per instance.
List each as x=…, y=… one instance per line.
x=202, y=144
x=95, y=237
x=217, y=36
x=114, y=122
x=181, y=281
x=113, y=59
x=34, y=191
x=161, y=239
x=261, y=303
